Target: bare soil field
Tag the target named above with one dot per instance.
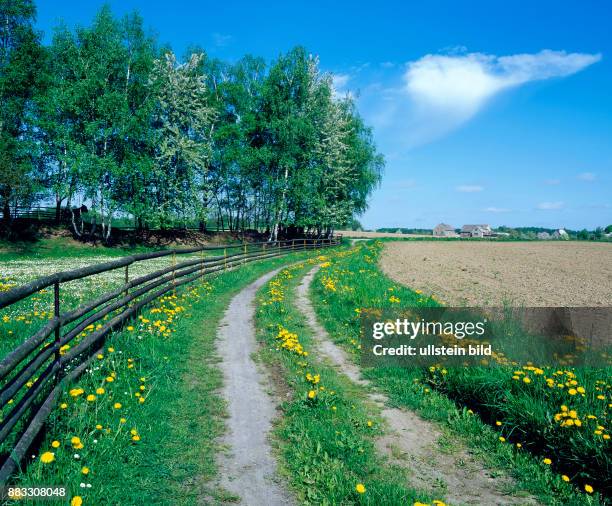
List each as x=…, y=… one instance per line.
x=520, y=273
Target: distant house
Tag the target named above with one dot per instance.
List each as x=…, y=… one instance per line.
x=476, y=231
x=560, y=234
x=444, y=230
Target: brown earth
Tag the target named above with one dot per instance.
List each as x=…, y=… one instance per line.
x=520, y=273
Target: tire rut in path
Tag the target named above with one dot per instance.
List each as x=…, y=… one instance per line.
x=412, y=442
x=248, y=469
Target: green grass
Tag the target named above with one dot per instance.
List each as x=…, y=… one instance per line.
x=526, y=411
x=62, y=247
x=326, y=441
x=173, y=460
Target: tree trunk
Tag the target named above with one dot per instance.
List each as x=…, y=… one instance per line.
x=279, y=212
x=58, y=210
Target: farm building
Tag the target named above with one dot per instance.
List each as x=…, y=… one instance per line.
x=476, y=231
x=444, y=230
x=560, y=234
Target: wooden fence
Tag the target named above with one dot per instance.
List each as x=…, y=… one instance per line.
x=39, y=356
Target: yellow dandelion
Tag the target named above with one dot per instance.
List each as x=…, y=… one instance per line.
x=360, y=488
x=47, y=457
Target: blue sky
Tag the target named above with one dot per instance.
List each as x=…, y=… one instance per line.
x=487, y=112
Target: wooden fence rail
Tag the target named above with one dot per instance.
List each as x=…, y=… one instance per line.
x=38, y=363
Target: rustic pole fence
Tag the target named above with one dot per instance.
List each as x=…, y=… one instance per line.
x=36, y=372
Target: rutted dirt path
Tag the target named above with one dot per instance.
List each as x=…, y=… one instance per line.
x=412, y=442
x=248, y=469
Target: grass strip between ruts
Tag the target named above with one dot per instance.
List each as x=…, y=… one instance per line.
x=327, y=431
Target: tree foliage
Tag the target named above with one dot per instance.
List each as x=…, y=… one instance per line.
x=106, y=118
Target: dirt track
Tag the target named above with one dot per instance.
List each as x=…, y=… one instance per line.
x=413, y=442
x=249, y=469
x=522, y=273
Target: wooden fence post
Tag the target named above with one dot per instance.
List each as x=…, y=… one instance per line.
x=174, y=272
x=127, y=279
x=202, y=264
x=56, y=314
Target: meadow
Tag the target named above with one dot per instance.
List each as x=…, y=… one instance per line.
x=21, y=265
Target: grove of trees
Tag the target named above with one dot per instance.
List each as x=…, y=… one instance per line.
x=104, y=116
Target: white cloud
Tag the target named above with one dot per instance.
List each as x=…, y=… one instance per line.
x=549, y=206
x=451, y=89
x=466, y=188
x=221, y=39
x=339, y=82
x=586, y=176
x=497, y=210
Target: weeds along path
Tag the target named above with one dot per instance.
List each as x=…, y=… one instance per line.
x=411, y=441
x=248, y=469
